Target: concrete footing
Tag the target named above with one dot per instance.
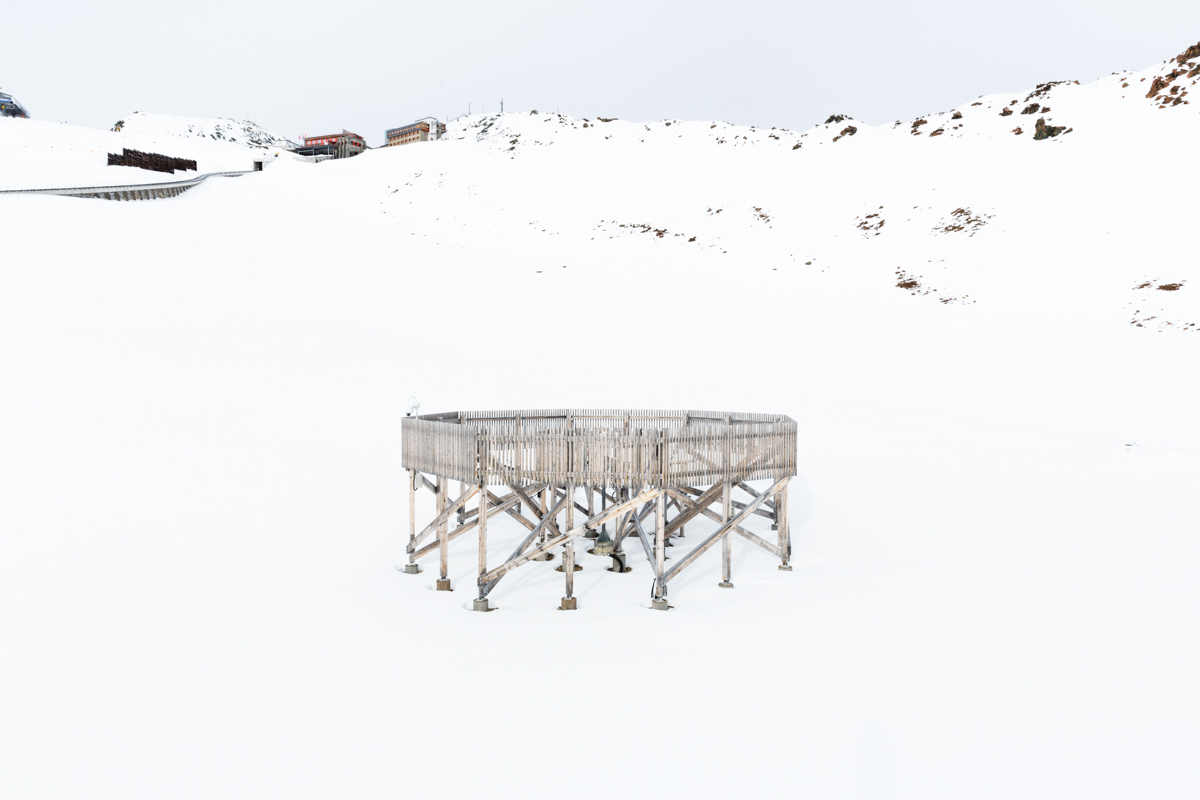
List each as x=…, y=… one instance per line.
x=443, y=585
x=560, y=569
x=411, y=569
x=569, y=604
x=481, y=604
x=659, y=605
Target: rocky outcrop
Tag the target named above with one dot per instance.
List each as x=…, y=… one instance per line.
x=1044, y=131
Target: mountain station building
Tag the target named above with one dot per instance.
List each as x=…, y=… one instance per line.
x=333, y=145
x=420, y=131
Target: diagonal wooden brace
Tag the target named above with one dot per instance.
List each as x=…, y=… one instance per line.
x=739, y=530
x=533, y=534
x=467, y=528
x=442, y=517
x=575, y=532
x=722, y=531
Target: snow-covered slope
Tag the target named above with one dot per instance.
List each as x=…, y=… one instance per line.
x=44, y=155
x=162, y=126
x=988, y=341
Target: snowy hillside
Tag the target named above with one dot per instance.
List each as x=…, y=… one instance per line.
x=989, y=342
x=243, y=132
x=43, y=155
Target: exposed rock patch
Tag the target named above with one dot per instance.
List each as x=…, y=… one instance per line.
x=962, y=220
x=1044, y=131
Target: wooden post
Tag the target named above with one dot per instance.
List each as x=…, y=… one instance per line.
x=727, y=511
x=569, y=602
x=411, y=567
x=443, y=584
x=726, y=541
x=481, y=604
x=660, y=532
x=659, y=602
x=603, y=505
x=785, y=535
x=590, y=510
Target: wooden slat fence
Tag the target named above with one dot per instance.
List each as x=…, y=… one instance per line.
x=601, y=447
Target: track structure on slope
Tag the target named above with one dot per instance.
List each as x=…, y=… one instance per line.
x=626, y=466
x=135, y=191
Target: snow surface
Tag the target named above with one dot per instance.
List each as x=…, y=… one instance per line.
x=995, y=589
x=47, y=155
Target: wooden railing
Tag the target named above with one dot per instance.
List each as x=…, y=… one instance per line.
x=600, y=447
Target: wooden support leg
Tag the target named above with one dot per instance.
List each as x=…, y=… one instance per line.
x=481, y=603
x=785, y=535
x=411, y=567
x=443, y=584
x=569, y=506
x=590, y=512
x=569, y=602
x=546, y=506
x=726, y=540
x=604, y=505
x=659, y=602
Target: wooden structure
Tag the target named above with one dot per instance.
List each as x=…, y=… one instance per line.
x=628, y=465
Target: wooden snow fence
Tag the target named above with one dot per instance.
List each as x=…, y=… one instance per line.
x=599, y=447
x=152, y=161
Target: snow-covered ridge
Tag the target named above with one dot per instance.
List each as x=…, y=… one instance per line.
x=242, y=132
x=1046, y=111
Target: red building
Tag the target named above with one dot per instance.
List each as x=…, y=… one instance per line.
x=338, y=145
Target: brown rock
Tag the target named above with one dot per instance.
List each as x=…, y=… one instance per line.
x=1044, y=131
x=1006, y=112
x=1163, y=82
x=1189, y=54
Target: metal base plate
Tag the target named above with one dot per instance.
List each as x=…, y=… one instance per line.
x=786, y=567
x=444, y=585
x=560, y=569
x=725, y=585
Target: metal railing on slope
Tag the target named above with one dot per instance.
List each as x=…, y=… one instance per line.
x=133, y=191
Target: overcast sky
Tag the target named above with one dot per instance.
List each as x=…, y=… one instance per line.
x=308, y=67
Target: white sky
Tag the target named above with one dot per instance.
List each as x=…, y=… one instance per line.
x=309, y=67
